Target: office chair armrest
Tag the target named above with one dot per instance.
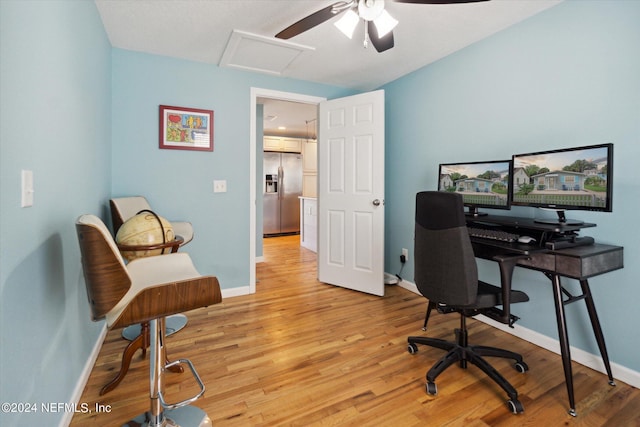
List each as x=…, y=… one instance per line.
x=499, y=316
x=507, y=263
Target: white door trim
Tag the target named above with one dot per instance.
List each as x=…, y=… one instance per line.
x=256, y=93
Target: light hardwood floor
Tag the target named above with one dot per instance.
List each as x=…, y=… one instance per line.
x=300, y=352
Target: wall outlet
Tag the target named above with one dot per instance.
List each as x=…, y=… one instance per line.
x=26, y=188
x=405, y=254
x=219, y=186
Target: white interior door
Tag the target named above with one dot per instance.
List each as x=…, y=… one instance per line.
x=351, y=192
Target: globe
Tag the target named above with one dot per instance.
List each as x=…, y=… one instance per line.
x=145, y=228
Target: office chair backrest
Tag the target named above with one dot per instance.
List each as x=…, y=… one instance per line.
x=105, y=274
x=445, y=266
x=124, y=208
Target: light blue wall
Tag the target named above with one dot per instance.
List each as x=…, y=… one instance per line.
x=566, y=77
x=178, y=183
x=55, y=119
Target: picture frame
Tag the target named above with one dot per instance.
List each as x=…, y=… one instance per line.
x=186, y=128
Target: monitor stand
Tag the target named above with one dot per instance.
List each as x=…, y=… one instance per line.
x=562, y=220
x=473, y=211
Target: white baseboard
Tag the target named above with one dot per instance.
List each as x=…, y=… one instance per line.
x=84, y=376
x=409, y=286
x=621, y=373
x=235, y=292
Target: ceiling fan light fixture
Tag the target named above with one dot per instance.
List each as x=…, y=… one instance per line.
x=347, y=23
x=385, y=23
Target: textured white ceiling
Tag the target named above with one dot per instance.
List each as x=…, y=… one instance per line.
x=199, y=30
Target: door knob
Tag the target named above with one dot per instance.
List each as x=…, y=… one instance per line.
x=376, y=202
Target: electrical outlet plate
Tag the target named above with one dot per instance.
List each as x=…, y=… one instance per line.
x=26, y=188
x=405, y=252
x=219, y=186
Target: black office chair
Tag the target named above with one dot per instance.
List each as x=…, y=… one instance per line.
x=446, y=274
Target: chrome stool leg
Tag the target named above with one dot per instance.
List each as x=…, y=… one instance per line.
x=174, y=323
x=176, y=414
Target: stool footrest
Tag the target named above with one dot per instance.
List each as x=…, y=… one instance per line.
x=186, y=401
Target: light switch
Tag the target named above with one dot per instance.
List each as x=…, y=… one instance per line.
x=27, y=189
x=220, y=186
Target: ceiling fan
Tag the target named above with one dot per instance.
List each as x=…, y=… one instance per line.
x=378, y=22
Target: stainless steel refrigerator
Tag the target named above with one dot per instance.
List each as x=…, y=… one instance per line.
x=282, y=186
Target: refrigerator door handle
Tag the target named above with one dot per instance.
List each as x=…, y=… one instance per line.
x=280, y=182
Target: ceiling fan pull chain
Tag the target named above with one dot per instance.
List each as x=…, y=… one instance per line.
x=341, y=6
x=366, y=35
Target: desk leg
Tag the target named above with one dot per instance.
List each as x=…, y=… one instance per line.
x=564, y=341
x=597, y=330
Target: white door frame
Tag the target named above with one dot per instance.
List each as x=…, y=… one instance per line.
x=255, y=94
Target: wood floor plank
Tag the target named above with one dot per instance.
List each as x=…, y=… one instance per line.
x=300, y=352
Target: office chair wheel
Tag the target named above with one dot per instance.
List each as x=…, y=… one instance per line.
x=412, y=348
x=515, y=406
x=521, y=367
x=432, y=388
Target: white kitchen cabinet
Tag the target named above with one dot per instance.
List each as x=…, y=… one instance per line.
x=282, y=144
x=310, y=155
x=310, y=184
x=309, y=223
x=309, y=168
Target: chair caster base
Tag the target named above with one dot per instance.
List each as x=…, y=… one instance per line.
x=515, y=406
x=187, y=416
x=432, y=388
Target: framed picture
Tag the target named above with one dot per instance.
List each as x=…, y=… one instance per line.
x=186, y=128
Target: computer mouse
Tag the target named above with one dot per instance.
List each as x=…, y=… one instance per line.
x=526, y=239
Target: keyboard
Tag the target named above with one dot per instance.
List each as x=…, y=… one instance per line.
x=484, y=233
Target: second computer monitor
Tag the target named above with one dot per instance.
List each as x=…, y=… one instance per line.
x=576, y=178
x=481, y=184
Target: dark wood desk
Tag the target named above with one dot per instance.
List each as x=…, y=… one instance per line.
x=580, y=263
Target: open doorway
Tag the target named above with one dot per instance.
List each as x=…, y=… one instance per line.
x=257, y=178
x=289, y=165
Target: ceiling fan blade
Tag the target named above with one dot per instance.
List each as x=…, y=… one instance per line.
x=380, y=43
x=438, y=1
x=308, y=22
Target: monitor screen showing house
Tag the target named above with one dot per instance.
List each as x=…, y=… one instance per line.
x=481, y=184
x=571, y=178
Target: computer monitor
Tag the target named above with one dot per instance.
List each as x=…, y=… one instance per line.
x=579, y=178
x=481, y=184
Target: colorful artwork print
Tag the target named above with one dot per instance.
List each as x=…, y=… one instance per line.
x=186, y=129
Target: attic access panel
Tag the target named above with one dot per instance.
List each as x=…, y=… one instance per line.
x=253, y=52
